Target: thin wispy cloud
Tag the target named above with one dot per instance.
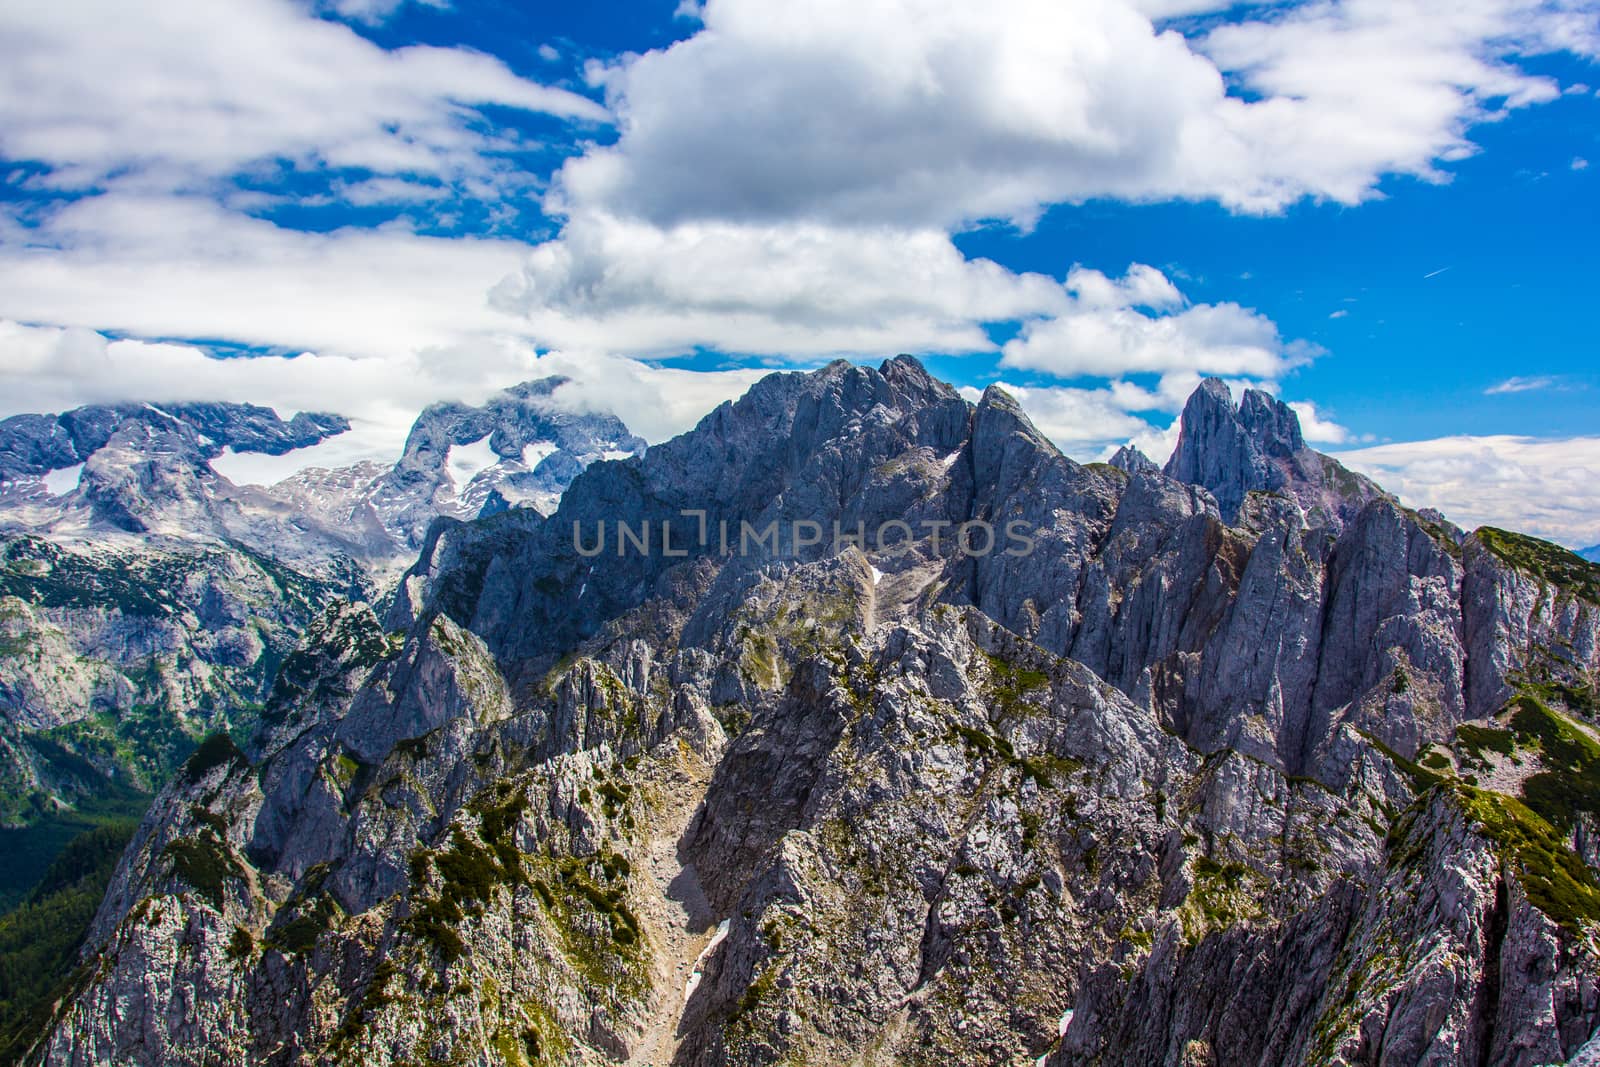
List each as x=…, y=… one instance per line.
x=1518, y=384
x=1434, y=273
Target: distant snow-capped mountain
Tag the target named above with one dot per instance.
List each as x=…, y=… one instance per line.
x=516, y=450
x=153, y=472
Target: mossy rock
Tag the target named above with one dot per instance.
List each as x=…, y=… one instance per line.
x=215, y=751
x=1557, y=882
x=204, y=862
x=1564, y=569
x=1570, y=780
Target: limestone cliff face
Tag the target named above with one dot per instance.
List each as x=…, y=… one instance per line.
x=1439, y=958
x=1222, y=771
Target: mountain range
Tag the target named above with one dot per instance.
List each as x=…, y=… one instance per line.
x=98, y=472
x=146, y=599
x=1235, y=761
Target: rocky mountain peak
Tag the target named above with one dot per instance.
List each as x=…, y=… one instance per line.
x=1217, y=448
x=1130, y=459
x=537, y=387
x=518, y=448
x=998, y=409
x=1256, y=445
x=1271, y=423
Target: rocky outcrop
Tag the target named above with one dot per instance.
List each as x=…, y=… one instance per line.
x=1130, y=460
x=1533, y=615
x=1440, y=957
x=1180, y=780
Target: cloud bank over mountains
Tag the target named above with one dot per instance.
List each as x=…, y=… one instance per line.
x=1547, y=486
x=926, y=113
x=782, y=185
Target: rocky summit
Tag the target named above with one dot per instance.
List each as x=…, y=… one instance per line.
x=1236, y=762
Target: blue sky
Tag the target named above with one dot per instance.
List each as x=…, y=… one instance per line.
x=1384, y=212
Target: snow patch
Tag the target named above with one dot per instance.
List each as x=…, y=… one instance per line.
x=614, y=454
x=698, y=971
x=468, y=461
x=535, y=453
x=258, y=468
x=63, y=481
x=950, y=460
x=877, y=575
x=366, y=442
x=1061, y=1032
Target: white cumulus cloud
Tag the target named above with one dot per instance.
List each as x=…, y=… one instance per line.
x=1105, y=333
x=1084, y=423
x=786, y=178
x=181, y=94
x=799, y=290
x=187, y=267
x=927, y=112
x=1318, y=428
